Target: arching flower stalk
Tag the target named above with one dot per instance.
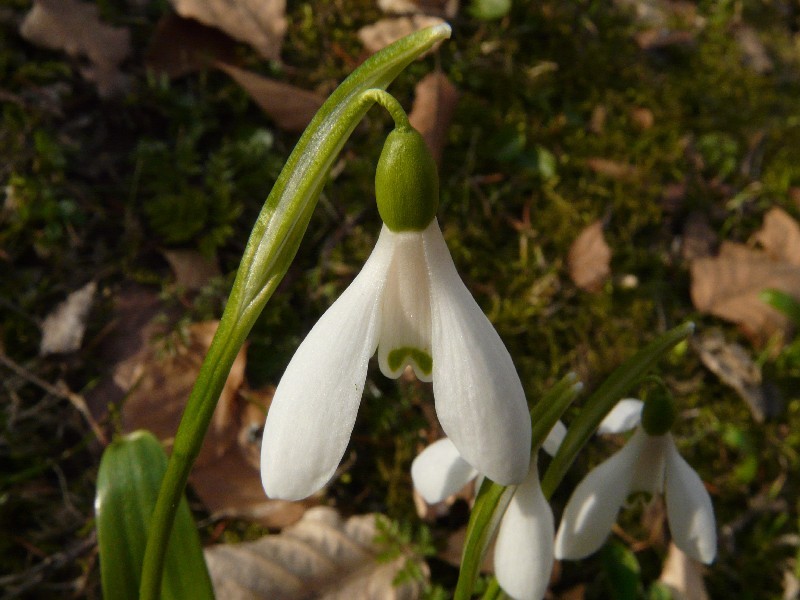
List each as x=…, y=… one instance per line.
x=649, y=462
x=410, y=305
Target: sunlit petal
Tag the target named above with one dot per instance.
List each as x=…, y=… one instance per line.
x=439, y=471
x=553, y=440
x=479, y=398
x=623, y=417
x=405, y=338
x=592, y=509
x=689, y=509
x=523, y=553
x=314, y=408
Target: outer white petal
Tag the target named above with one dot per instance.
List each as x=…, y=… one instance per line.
x=625, y=415
x=553, y=440
x=523, y=553
x=479, y=398
x=314, y=408
x=689, y=509
x=439, y=471
x=593, y=507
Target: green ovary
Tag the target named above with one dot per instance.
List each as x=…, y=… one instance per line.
x=422, y=359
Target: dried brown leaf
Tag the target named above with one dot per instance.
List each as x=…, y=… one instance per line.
x=589, y=258
x=320, y=556
x=683, y=576
x=612, y=168
x=780, y=236
x=260, y=23
x=387, y=31
x=434, y=102
x=62, y=329
x=192, y=270
x=75, y=28
x=290, y=107
x=728, y=286
x=181, y=46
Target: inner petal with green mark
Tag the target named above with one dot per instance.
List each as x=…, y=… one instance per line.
x=405, y=336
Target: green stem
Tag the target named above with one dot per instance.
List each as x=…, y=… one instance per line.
x=392, y=106
x=272, y=245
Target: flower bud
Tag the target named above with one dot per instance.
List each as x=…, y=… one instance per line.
x=658, y=413
x=406, y=182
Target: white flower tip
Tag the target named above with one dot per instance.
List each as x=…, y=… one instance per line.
x=625, y=415
x=554, y=439
x=439, y=471
x=442, y=30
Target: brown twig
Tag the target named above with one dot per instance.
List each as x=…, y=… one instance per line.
x=60, y=391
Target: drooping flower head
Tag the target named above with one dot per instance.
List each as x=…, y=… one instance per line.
x=523, y=551
x=649, y=462
x=410, y=305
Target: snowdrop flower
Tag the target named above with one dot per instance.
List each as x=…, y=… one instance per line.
x=410, y=305
x=523, y=552
x=649, y=462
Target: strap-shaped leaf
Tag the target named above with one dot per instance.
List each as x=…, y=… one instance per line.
x=127, y=486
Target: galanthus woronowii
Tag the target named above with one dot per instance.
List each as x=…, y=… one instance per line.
x=649, y=462
x=409, y=303
x=523, y=552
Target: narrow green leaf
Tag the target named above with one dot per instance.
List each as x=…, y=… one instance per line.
x=272, y=246
x=600, y=403
x=127, y=485
x=783, y=302
x=623, y=571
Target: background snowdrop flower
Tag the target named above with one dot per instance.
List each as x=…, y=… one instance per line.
x=649, y=462
x=410, y=305
x=523, y=552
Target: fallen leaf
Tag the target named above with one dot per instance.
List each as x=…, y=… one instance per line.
x=434, y=102
x=780, y=236
x=612, y=168
x=729, y=286
x=439, y=8
x=387, y=31
x=683, y=576
x=642, y=117
x=735, y=368
x=321, y=556
x=260, y=23
x=754, y=54
x=589, y=258
x=290, y=107
x=597, y=122
x=75, y=28
x=192, y=270
x=181, y=46
x=63, y=328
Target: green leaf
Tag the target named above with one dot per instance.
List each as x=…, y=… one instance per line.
x=489, y=10
x=127, y=485
x=623, y=571
x=783, y=302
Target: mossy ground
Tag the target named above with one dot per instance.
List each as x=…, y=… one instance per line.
x=92, y=199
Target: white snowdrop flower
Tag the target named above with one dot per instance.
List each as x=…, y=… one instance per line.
x=523, y=552
x=649, y=462
x=410, y=305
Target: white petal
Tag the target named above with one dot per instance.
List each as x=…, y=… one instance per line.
x=523, y=553
x=689, y=509
x=479, y=398
x=553, y=440
x=623, y=417
x=592, y=509
x=314, y=408
x=405, y=338
x=439, y=471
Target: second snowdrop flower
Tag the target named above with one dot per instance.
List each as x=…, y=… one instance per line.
x=410, y=305
x=649, y=462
